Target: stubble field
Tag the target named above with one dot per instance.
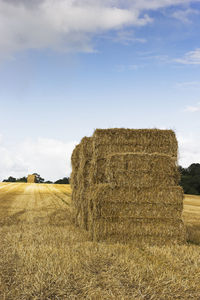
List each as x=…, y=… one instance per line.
x=44, y=256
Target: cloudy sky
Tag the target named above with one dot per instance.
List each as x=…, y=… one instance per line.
x=70, y=66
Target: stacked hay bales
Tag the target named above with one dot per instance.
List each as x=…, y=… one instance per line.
x=134, y=193
x=31, y=179
x=81, y=158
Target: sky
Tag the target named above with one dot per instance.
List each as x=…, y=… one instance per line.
x=68, y=67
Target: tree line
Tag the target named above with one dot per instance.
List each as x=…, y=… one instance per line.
x=39, y=179
x=190, y=179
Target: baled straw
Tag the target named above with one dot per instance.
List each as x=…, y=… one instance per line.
x=127, y=186
x=133, y=227
x=104, y=193
x=82, y=177
x=139, y=169
x=136, y=210
x=75, y=162
x=107, y=141
x=31, y=179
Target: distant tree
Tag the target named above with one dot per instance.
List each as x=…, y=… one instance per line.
x=194, y=169
x=10, y=179
x=190, y=179
x=39, y=179
x=22, y=179
x=65, y=180
x=48, y=181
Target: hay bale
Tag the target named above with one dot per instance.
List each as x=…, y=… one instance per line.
x=85, y=161
x=75, y=162
x=80, y=162
x=97, y=171
x=131, y=228
x=139, y=169
x=125, y=186
x=86, y=148
x=136, y=210
x=76, y=204
x=83, y=174
x=31, y=179
x=124, y=205
x=82, y=177
x=75, y=158
x=104, y=193
x=141, y=240
x=83, y=203
x=107, y=141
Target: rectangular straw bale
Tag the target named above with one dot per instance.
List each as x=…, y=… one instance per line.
x=31, y=179
x=97, y=171
x=137, y=210
x=74, y=179
x=75, y=162
x=106, y=193
x=134, y=140
x=85, y=156
x=84, y=194
x=103, y=228
x=142, y=240
x=75, y=197
x=84, y=173
x=75, y=158
x=76, y=207
x=139, y=169
x=86, y=148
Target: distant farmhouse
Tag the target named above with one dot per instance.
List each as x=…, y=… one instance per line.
x=31, y=179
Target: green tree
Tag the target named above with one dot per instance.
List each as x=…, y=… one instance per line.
x=39, y=179
x=22, y=179
x=10, y=179
x=65, y=180
x=190, y=179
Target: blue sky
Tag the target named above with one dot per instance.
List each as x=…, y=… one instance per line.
x=70, y=66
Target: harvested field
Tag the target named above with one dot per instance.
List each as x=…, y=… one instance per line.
x=44, y=256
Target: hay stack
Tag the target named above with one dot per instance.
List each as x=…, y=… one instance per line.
x=120, y=140
x=81, y=158
x=141, y=169
x=128, y=186
x=31, y=179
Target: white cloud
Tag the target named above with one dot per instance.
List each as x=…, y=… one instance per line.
x=63, y=24
x=48, y=157
x=69, y=25
x=188, y=84
x=126, y=37
x=193, y=109
x=190, y=58
x=184, y=15
x=189, y=149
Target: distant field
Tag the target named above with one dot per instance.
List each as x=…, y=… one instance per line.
x=44, y=256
